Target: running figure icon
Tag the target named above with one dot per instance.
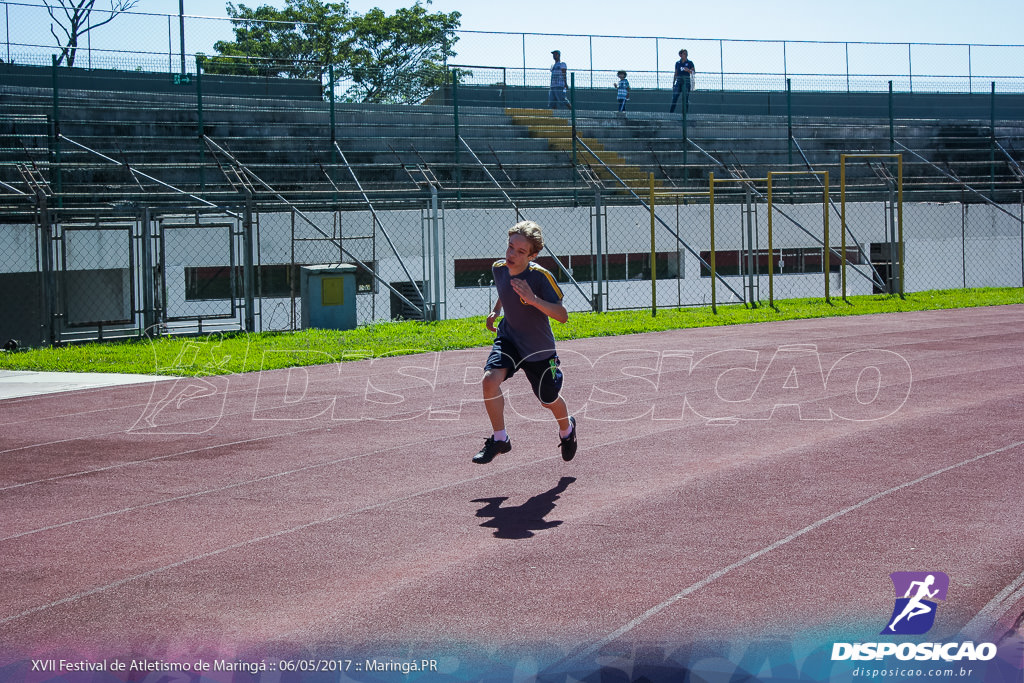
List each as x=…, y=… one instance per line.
x=915, y=607
x=919, y=591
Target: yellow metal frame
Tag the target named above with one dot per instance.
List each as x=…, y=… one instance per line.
x=826, y=253
x=653, y=196
x=899, y=204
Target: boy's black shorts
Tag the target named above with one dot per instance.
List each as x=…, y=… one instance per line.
x=544, y=375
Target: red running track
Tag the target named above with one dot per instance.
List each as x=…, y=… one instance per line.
x=733, y=485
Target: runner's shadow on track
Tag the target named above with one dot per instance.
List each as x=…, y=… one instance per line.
x=521, y=521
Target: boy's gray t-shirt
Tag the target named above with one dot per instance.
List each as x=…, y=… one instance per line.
x=527, y=327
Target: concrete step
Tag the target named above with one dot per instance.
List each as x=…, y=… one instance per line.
x=607, y=164
x=287, y=142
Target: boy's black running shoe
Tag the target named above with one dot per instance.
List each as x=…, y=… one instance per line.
x=568, y=443
x=491, y=448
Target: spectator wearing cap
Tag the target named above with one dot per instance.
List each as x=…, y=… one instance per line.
x=559, y=84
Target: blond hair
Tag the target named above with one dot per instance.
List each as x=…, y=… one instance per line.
x=531, y=231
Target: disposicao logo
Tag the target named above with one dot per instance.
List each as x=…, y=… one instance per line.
x=916, y=596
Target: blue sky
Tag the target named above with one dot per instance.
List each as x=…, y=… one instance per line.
x=698, y=26
x=940, y=21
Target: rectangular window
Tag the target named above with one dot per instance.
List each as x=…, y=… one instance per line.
x=473, y=272
x=787, y=261
x=477, y=272
x=279, y=281
x=209, y=283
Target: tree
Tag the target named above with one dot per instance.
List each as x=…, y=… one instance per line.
x=396, y=58
x=292, y=42
x=402, y=57
x=77, y=21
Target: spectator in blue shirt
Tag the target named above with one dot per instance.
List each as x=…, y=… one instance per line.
x=682, y=81
x=622, y=90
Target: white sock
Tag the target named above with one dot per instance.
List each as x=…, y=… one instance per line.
x=567, y=432
x=501, y=435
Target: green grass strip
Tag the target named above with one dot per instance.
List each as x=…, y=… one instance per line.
x=241, y=352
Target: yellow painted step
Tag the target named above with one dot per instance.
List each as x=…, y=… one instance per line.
x=542, y=123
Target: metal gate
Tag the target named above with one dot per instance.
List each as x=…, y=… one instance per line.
x=96, y=273
x=201, y=273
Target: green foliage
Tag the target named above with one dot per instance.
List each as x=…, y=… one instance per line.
x=399, y=58
x=292, y=42
x=240, y=352
x=384, y=58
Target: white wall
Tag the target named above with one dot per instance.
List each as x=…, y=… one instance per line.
x=941, y=241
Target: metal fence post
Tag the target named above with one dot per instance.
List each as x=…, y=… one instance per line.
x=574, y=173
x=771, y=252
x=49, y=276
x=899, y=223
x=572, y=114
x=970, y=72
x=964, y=218
x=330, y=76
x=455, y=115
x=686, y=107
x=524, y=59
x=146, y=267
x=748, y=209
x=842, y=224
x=1022, y=239
x=56, y=133
x=711, y=262
x=199, y=117
x=599, y=307
x=846, y=50
x=827, y=260
x=590, y=40
x=654, y=268
x=893, y=245
x=789, y=133
x=181, y=30
x=436, y=239
x=657, y=71
x=789, y=120
x=334, y=137
x=721, y=63
x=785, y=66
x=992, y=143
x=910, y=65
x=892, y=128
x=248, y=276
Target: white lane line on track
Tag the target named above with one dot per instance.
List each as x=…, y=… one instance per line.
x=219, y=489
x=987, y=616
x=259, y=539
x=592, y=649
x=157, y=458
x=228, y=394
x=129, y=463
x=611, y=637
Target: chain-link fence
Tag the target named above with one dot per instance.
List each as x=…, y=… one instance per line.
x=134, y=199
x=103, y=277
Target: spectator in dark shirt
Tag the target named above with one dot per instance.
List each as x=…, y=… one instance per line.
x=682, y=82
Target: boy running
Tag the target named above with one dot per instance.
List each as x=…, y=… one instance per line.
x=529, y=296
